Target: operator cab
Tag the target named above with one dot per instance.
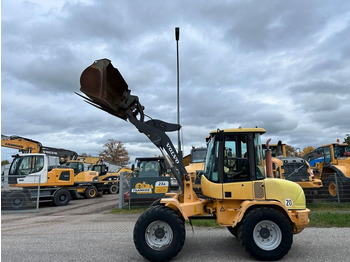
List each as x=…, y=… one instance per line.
x=235, y=155
x=26, y=168
x=198, y=155
x=150, y=167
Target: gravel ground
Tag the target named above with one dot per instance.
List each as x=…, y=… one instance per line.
x=85, y=230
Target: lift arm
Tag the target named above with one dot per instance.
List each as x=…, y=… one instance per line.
x=107, y=90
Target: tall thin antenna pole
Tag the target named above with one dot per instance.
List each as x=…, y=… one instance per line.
x=177, y=37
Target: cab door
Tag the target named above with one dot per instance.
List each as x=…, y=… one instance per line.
x=236, y=168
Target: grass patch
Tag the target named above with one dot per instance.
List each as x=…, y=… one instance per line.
x=329, y=219
x=328, y=206
x=329, y=214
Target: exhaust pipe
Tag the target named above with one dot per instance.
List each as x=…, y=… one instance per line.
x=268, y=160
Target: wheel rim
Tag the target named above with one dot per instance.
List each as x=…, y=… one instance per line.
x=63, y=197
x=267, y=235
x=158, y=235
x=114, y=189
x=92, y=193
x=17, y=202
x=332, y=189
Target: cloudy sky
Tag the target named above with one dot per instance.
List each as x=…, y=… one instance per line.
x=280, y=65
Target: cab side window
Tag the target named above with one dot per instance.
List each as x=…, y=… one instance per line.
x=80, y=168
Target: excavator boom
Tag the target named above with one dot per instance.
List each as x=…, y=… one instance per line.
x=106, y=89
x=24, y=145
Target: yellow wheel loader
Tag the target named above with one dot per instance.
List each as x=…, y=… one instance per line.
x=263, y=213
x=196, y=160
x=331, y=164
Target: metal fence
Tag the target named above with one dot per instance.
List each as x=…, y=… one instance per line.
x=334, y=189
x=135, y=191
x=19, y=199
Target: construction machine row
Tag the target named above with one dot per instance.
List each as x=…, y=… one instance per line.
x=54, y=175
x=321, y=175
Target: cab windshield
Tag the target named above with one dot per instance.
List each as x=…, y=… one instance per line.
x=341, y=151
x=149, y=168
x=25, y=165
x=198, y=155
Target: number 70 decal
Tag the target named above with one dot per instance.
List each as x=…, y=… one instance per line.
x=288, y=202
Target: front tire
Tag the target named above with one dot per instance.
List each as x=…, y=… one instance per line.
x=233, y=231
x=333, y=188
x=159, y=234
x=266, y=234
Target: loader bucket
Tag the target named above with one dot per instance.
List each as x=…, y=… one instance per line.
x=106, y=89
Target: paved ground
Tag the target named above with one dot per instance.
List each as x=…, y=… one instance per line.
x=85, y=230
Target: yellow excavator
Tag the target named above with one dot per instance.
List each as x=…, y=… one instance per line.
x=108, y=172
x=263, y=213
x=111, y=178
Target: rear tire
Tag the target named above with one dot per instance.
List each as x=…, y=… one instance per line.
x=61, y=197
x=16, y=201
x=266, y=234
x=159, y=234
x=90, y=192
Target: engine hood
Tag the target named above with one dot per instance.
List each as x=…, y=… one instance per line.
x=286, y=192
